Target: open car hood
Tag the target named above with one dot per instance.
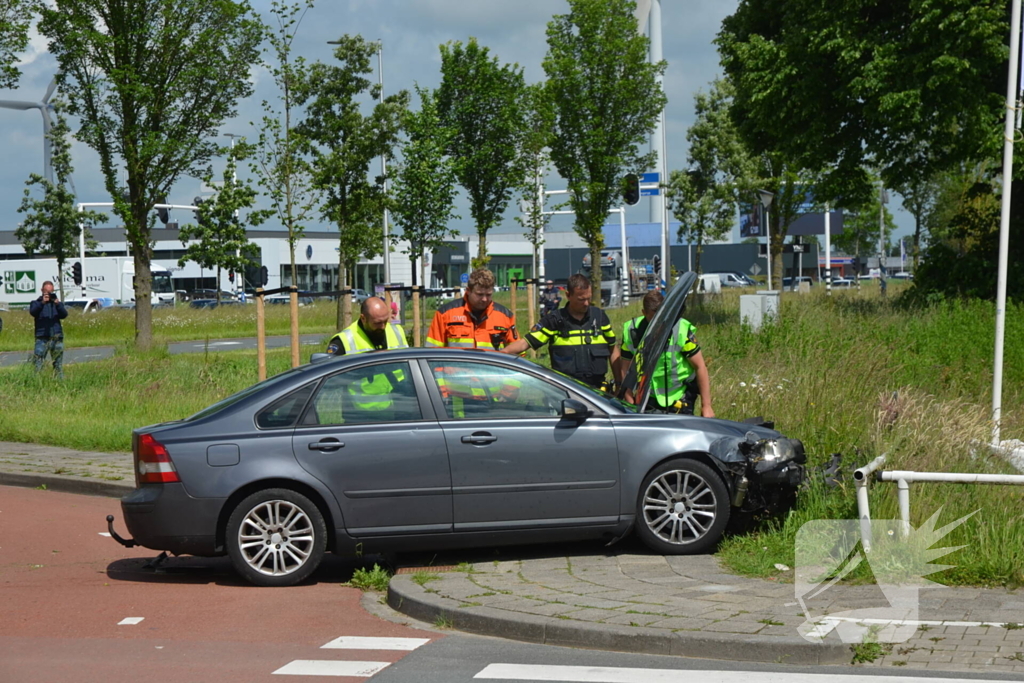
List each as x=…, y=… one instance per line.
x=655, y=341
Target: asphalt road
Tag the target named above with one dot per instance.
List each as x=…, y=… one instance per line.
x=91, y=353
x=77, y=607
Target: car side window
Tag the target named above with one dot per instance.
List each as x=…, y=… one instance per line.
x=383, y=392
x=286, y=410
x=480, y=390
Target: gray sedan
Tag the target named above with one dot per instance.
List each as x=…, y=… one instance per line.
x=437, y=448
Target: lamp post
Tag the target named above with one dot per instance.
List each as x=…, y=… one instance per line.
x=766, y=202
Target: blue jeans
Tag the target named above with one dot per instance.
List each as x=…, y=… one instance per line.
x=55, y=347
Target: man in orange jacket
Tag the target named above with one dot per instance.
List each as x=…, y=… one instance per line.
x=474, y=321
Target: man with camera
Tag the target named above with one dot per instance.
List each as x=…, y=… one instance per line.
x=48, y=312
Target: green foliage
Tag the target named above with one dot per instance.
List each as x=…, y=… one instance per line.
x=219, y=234
x=704, y=197
x=425, y=186
x=860, y=228
x=894, y=76
x=343, y=143
x=483, y=104
x=151, y=81
x=422, y=578
x=15, y=18
x=376, y=579
x=606, y=100
x=284, y=172
x=52, y=224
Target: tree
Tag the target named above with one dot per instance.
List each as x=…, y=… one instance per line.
x=425, y=184
x=606, y=100
x=219, y=233
x=15, y=18
x=284, y=171
x=704, y=197
x=483, y=104
x=537, y=162
x=344, y=142
x=52, y=224
x=151, y=81
x=844, y=85
x=860, y=229
x=919, y=196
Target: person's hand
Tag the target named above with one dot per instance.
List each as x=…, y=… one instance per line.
x=707, y=411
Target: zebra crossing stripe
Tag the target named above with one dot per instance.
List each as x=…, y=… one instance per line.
x=320, y=667
x=368, y=643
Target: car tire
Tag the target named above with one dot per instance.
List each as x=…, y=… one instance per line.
x=276, y=537
x=683, y=508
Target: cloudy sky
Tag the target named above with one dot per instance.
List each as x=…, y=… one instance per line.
x=411, y=31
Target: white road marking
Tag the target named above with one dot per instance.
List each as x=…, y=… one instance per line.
x=604, y=674
x=320, y=667
x=130, y=621
x=367, y=643
x=225, y=343
x=104, y=533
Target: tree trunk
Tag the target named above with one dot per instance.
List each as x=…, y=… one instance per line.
x=143, y=301
x=344, y=316
x=60, y=278
x=291, y=254
x=217, y=286
x=595, y=272
x=917, y=239
x=700, y=250
x=775, y=254
x=481, y=250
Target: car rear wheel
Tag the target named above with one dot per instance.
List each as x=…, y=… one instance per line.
x=276, y=537
x=683, y=508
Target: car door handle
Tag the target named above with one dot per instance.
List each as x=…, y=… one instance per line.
x=326, y=445
x=479, y=438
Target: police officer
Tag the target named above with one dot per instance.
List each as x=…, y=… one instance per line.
x=373, y=331
x=580, y=336
x=680, y=374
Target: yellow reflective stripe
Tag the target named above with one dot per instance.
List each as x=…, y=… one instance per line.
x=434, y=342
x=576, y=341
x=462, y=343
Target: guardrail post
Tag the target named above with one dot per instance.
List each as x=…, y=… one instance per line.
x=294, y=296
x=903, y=496
x=416, y=332
x=860, y=478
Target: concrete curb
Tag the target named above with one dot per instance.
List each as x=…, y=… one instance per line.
x=407, y=597
x=55, y=482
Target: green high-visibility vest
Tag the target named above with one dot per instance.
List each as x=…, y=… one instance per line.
x=354, y=340
x=673, y=370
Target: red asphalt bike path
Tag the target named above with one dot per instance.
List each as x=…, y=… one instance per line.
x=64, y=588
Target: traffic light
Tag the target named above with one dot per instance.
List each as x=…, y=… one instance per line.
x=631, y=189
x=198, y=202
x=657, y=265
x=856, y=265
x=231, y=276
x=264, y=276
x=76, y=273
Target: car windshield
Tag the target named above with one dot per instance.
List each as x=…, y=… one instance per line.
x=587, y=389
x=244, y=393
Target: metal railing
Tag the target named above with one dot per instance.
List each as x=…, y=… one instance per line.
x=903, y=479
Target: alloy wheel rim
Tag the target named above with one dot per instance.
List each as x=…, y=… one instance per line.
x=679, y=507
x=276, y=538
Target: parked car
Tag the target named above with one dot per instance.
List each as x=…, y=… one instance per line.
x=212, y=294
x=842, y=282
x=285, y=299
x=456, y=448
x=787, y=282
x=213, y=303
x=359, y=296
x=734, y=279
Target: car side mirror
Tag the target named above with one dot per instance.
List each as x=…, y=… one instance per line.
x=320, y=357
x=574, y=410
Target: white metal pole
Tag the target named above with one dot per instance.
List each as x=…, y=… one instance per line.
x=540, y=247
x=881, y=231
x=81, y=248
x=658, y=142
x=828, y=250
x=384, y=170
x=1004, y=221
x=626, y=289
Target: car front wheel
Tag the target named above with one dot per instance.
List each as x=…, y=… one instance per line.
x=276, y=537
x=683, y=508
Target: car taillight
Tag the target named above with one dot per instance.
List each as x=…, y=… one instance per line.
x=152, y=462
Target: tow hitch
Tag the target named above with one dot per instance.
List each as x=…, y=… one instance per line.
x=130, y=543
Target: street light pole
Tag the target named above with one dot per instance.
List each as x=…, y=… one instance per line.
x=766, y=201
x=384, y=169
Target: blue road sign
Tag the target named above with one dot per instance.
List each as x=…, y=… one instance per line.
x=650, y=178
x=464, y=279
x=650, y=191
